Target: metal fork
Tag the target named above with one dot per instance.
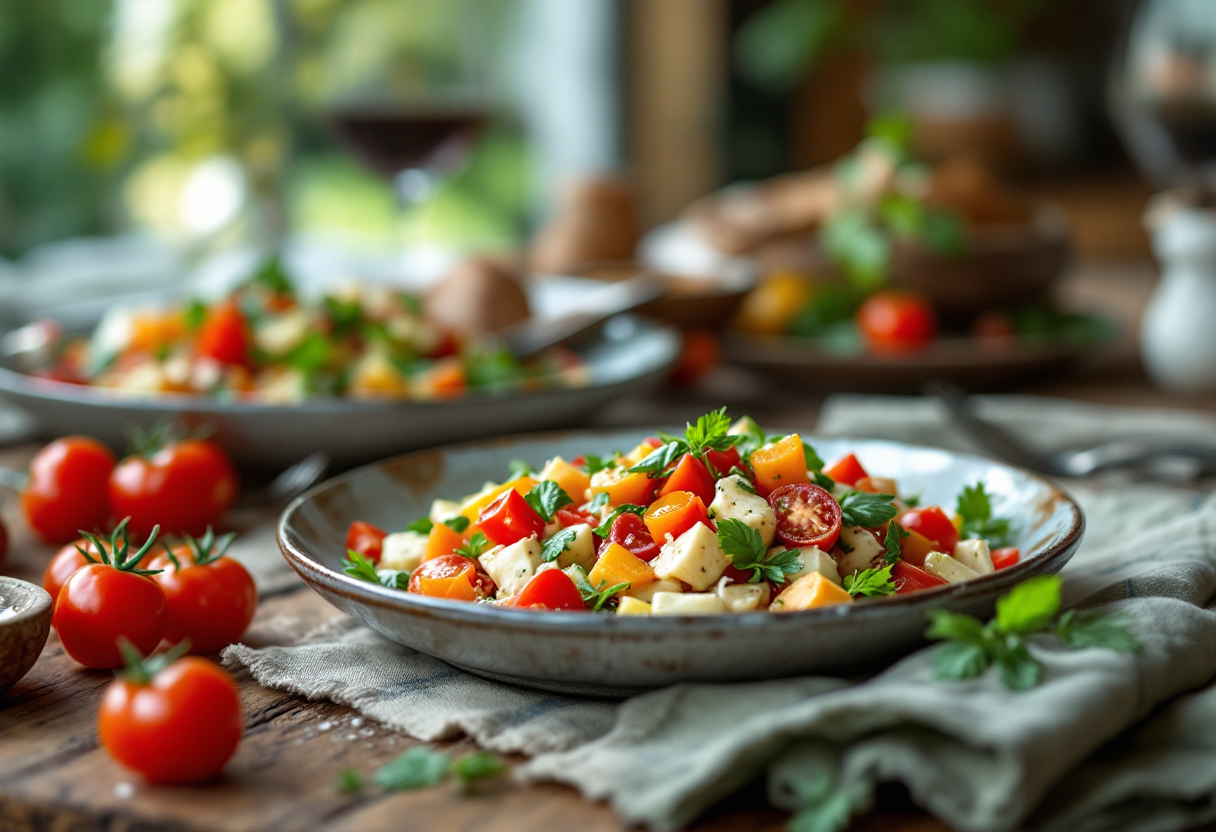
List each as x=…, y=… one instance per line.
x=1108, y=456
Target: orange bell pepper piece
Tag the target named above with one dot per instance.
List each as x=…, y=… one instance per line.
x=673, y=514
x=570, y=479
x=781, y=463
x=443, y=541
x=622, y=487
x=619, y=565
x=808, y=592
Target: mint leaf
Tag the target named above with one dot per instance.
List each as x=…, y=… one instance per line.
x=475, y=766
x=553, y=547
x=629, y=508
x=546, y=498
x=960, y=660
x=859, y=508
x=414, y=769
x=458, y=524
x=1030, y=606
x=1090, y=629
x=476, y=547
x=895, y=533
x=422, y=525
x=871, y=583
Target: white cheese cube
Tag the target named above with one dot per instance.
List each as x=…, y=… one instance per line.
x=647, y=593
x=283, y=333
x=948, y=569
x=695, y=557
x=582, y=548
x=813, y=559
x=632, y=606
x=512, y=566
x=403, y=550
x=743, y=597
x=443, y=510
x=861, y=547
x=733, y=501
x=975, y=554
x=686, y=603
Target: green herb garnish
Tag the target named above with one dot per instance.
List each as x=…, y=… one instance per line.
x=745, y=548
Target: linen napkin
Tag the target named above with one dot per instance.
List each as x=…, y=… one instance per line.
x=975, y=754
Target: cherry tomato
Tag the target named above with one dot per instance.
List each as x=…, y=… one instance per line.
x=690, y=475
x=806, y=515
x=1005, y=558
x=567, y=517
x=366, y=539
x=451, y=576
x=211, y=597
x=933, y=523
x=847, y=471
x=550, y=590
x=64, y=563
x=99, y=605
x=67, y=489
x=699, y=354
x=723, y=461
x=184, y=486
x=225, y=336
x=896, y=322
x=908, y=578
x=630, y=531
x=509, y=519
x=675, y=513
x=179, y=724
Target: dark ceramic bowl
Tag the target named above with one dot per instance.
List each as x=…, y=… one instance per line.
x=617, y=655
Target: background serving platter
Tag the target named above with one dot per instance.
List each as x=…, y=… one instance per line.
x=611, y=655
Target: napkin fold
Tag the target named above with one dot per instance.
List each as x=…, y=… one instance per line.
x=975, y=754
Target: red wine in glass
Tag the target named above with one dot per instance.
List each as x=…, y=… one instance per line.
x=391, y=139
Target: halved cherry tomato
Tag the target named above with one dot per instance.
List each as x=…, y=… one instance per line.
x=675, y=513
x=894, y=322
x=847, y=470
x=179, y=724
x=723, y=461
x=225, y=336
x=908, y=578
x=1005, y=558
x=807, y=515
x=211, y=597
x=690, y=475
x=184, y=486
x=66, y=491
x=782, y=463
x=366, y=539
x=451, y=576
x=62, y=566
x=550, y=590
x=99, y=605
x=629, y=531
x=567, y=517
x=933, y=523
x=509, y=519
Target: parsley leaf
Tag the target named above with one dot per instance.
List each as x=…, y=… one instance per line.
x=813, y=460
x=656, y=462
x=823, y=806
x=349, y=781
x=745, y=548
x=872, y=583
x=1090, y=630
x=476, y=547
x=273, y=277
x=196, y=315
x=960, y=660
x=859, y=508
x=555, y=545
x=598, y=501
x=477, y=765
x=1030, y=606
x=458, y=524
x=975, y=508
x=604, y=528
x=519, y=468
x=1015, y=667
x=422, y=525
x=823, y=481
x=711, y=431
x=596, y=596
x=361, y=567
x=414, y=769
x=895, y=533
x=593, y=464
x=546, y=497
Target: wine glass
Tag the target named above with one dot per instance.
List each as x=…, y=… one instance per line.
x=404, y=90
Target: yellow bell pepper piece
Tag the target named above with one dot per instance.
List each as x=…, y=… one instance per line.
x=570, y=479
x=619, y=565
x=808, y=592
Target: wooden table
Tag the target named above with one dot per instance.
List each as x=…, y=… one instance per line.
x=53, y=775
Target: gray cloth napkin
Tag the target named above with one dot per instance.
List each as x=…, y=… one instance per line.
x=975, y=754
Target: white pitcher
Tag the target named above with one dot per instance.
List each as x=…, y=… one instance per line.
x=1178, y=331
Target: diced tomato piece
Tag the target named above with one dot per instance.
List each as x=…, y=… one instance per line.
x=723, y=461
x=675, y=513
x=1005, y=558
x=225, y=336
x=550, y=590
x=933, y=523
x=366, y=539
x=690, y=475
x=847, y=470
x=567, y=517
x=451, y=576
x=908, y=578
x=629, y=530
x=509, y=519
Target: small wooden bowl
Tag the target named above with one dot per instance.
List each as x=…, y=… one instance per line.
x=25, y=623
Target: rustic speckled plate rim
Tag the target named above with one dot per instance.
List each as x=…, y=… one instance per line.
x=1052, y=558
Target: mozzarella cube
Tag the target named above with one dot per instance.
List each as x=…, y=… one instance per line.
x=948, y=569
x=861, y=547
x=647, y=593
x=513, y=566
x=443, y=510
x=733, y=501
x=976, y=555
x=581, y=550
x=686, y=603
x=632, y=606
x=695, y=557
x=813, y=559
x=743, y=597
x=403, y=551
x=281, y=334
